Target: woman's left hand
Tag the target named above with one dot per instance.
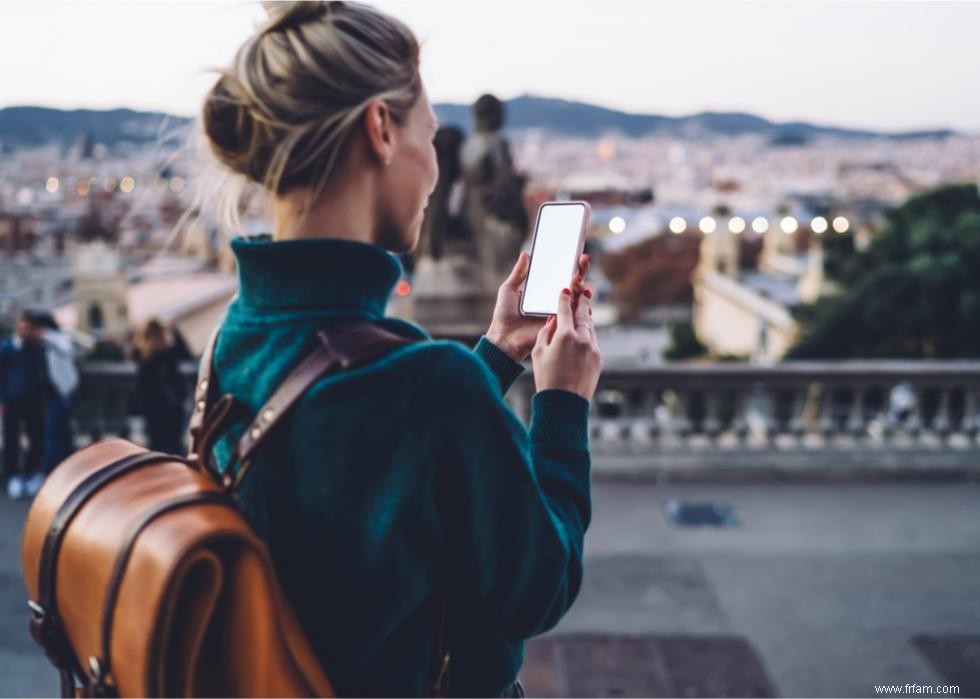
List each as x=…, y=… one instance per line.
x=512, y=332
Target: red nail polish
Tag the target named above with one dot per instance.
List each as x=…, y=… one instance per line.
x=565, y=291
x=588, y=294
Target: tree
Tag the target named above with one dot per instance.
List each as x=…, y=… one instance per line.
x=913, y=293
x=684, y=343
x=654, y=272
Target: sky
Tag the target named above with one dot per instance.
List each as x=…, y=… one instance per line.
x=878, y=65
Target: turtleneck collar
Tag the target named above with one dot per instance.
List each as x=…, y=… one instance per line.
x=328, y=273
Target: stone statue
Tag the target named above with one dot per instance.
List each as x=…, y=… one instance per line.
x=493, y=203
x=474, y=226
x=442, y=220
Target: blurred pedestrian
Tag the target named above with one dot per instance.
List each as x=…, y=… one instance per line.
x=23, y=378
x=159, y=351
x=62, y=383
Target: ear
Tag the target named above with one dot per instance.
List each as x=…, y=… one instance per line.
x=380, y=130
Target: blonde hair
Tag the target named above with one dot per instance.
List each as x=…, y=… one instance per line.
x=282, y=115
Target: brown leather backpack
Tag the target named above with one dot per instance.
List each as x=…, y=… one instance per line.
x=146, y=580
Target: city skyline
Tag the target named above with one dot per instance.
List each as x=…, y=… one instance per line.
x=881, y=66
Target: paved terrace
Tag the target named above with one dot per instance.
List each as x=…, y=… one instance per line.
x=822, y=589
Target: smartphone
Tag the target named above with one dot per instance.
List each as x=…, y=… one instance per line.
x=559, y=236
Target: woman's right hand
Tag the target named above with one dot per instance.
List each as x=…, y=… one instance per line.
x=566, y=354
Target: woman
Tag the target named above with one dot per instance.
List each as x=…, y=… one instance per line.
x=395, y=481
x=162, y=390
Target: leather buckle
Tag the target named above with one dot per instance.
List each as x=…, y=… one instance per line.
x=97, y=684
x=45, y=631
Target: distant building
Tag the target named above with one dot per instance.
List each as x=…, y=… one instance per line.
x=747, y=311
x=19, y=232
x=108, y=307
x=101, y=304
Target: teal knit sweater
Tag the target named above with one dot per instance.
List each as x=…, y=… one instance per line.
x=400, y=476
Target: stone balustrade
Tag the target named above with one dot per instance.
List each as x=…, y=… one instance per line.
x=689, y=416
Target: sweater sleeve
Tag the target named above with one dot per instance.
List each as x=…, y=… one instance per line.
x=504, y=368
x=518, y=503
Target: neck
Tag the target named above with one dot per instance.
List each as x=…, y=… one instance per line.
x=344, y=210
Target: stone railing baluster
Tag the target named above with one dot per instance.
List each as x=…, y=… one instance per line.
x=855, y=416
x=655, y=412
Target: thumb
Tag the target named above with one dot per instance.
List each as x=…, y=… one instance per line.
x=519, y=272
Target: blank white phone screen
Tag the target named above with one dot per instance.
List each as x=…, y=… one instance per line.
x=553, y=256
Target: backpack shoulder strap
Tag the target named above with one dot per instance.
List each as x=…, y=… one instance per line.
x=203, y=395
x=337, y=349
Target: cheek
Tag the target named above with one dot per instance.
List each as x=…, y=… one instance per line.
x=425, y=173
x=432, y=168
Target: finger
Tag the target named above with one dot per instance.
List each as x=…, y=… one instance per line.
x=582, y=310
x=565, y=318
x=544, y=334
x=517, y=274
x=584, y=262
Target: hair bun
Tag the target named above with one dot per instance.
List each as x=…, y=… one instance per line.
x=288, y=15
x=229, y=126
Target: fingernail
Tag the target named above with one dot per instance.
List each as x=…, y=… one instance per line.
x=590, y=311
x=565, y=291
x=588, y=294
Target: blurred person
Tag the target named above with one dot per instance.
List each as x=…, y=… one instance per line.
x=62, y=382
x=23, y=379
x=409, y=481
x=158, y=353
x=902, y=404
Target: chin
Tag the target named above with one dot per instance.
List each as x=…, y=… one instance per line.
x=402, y=246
